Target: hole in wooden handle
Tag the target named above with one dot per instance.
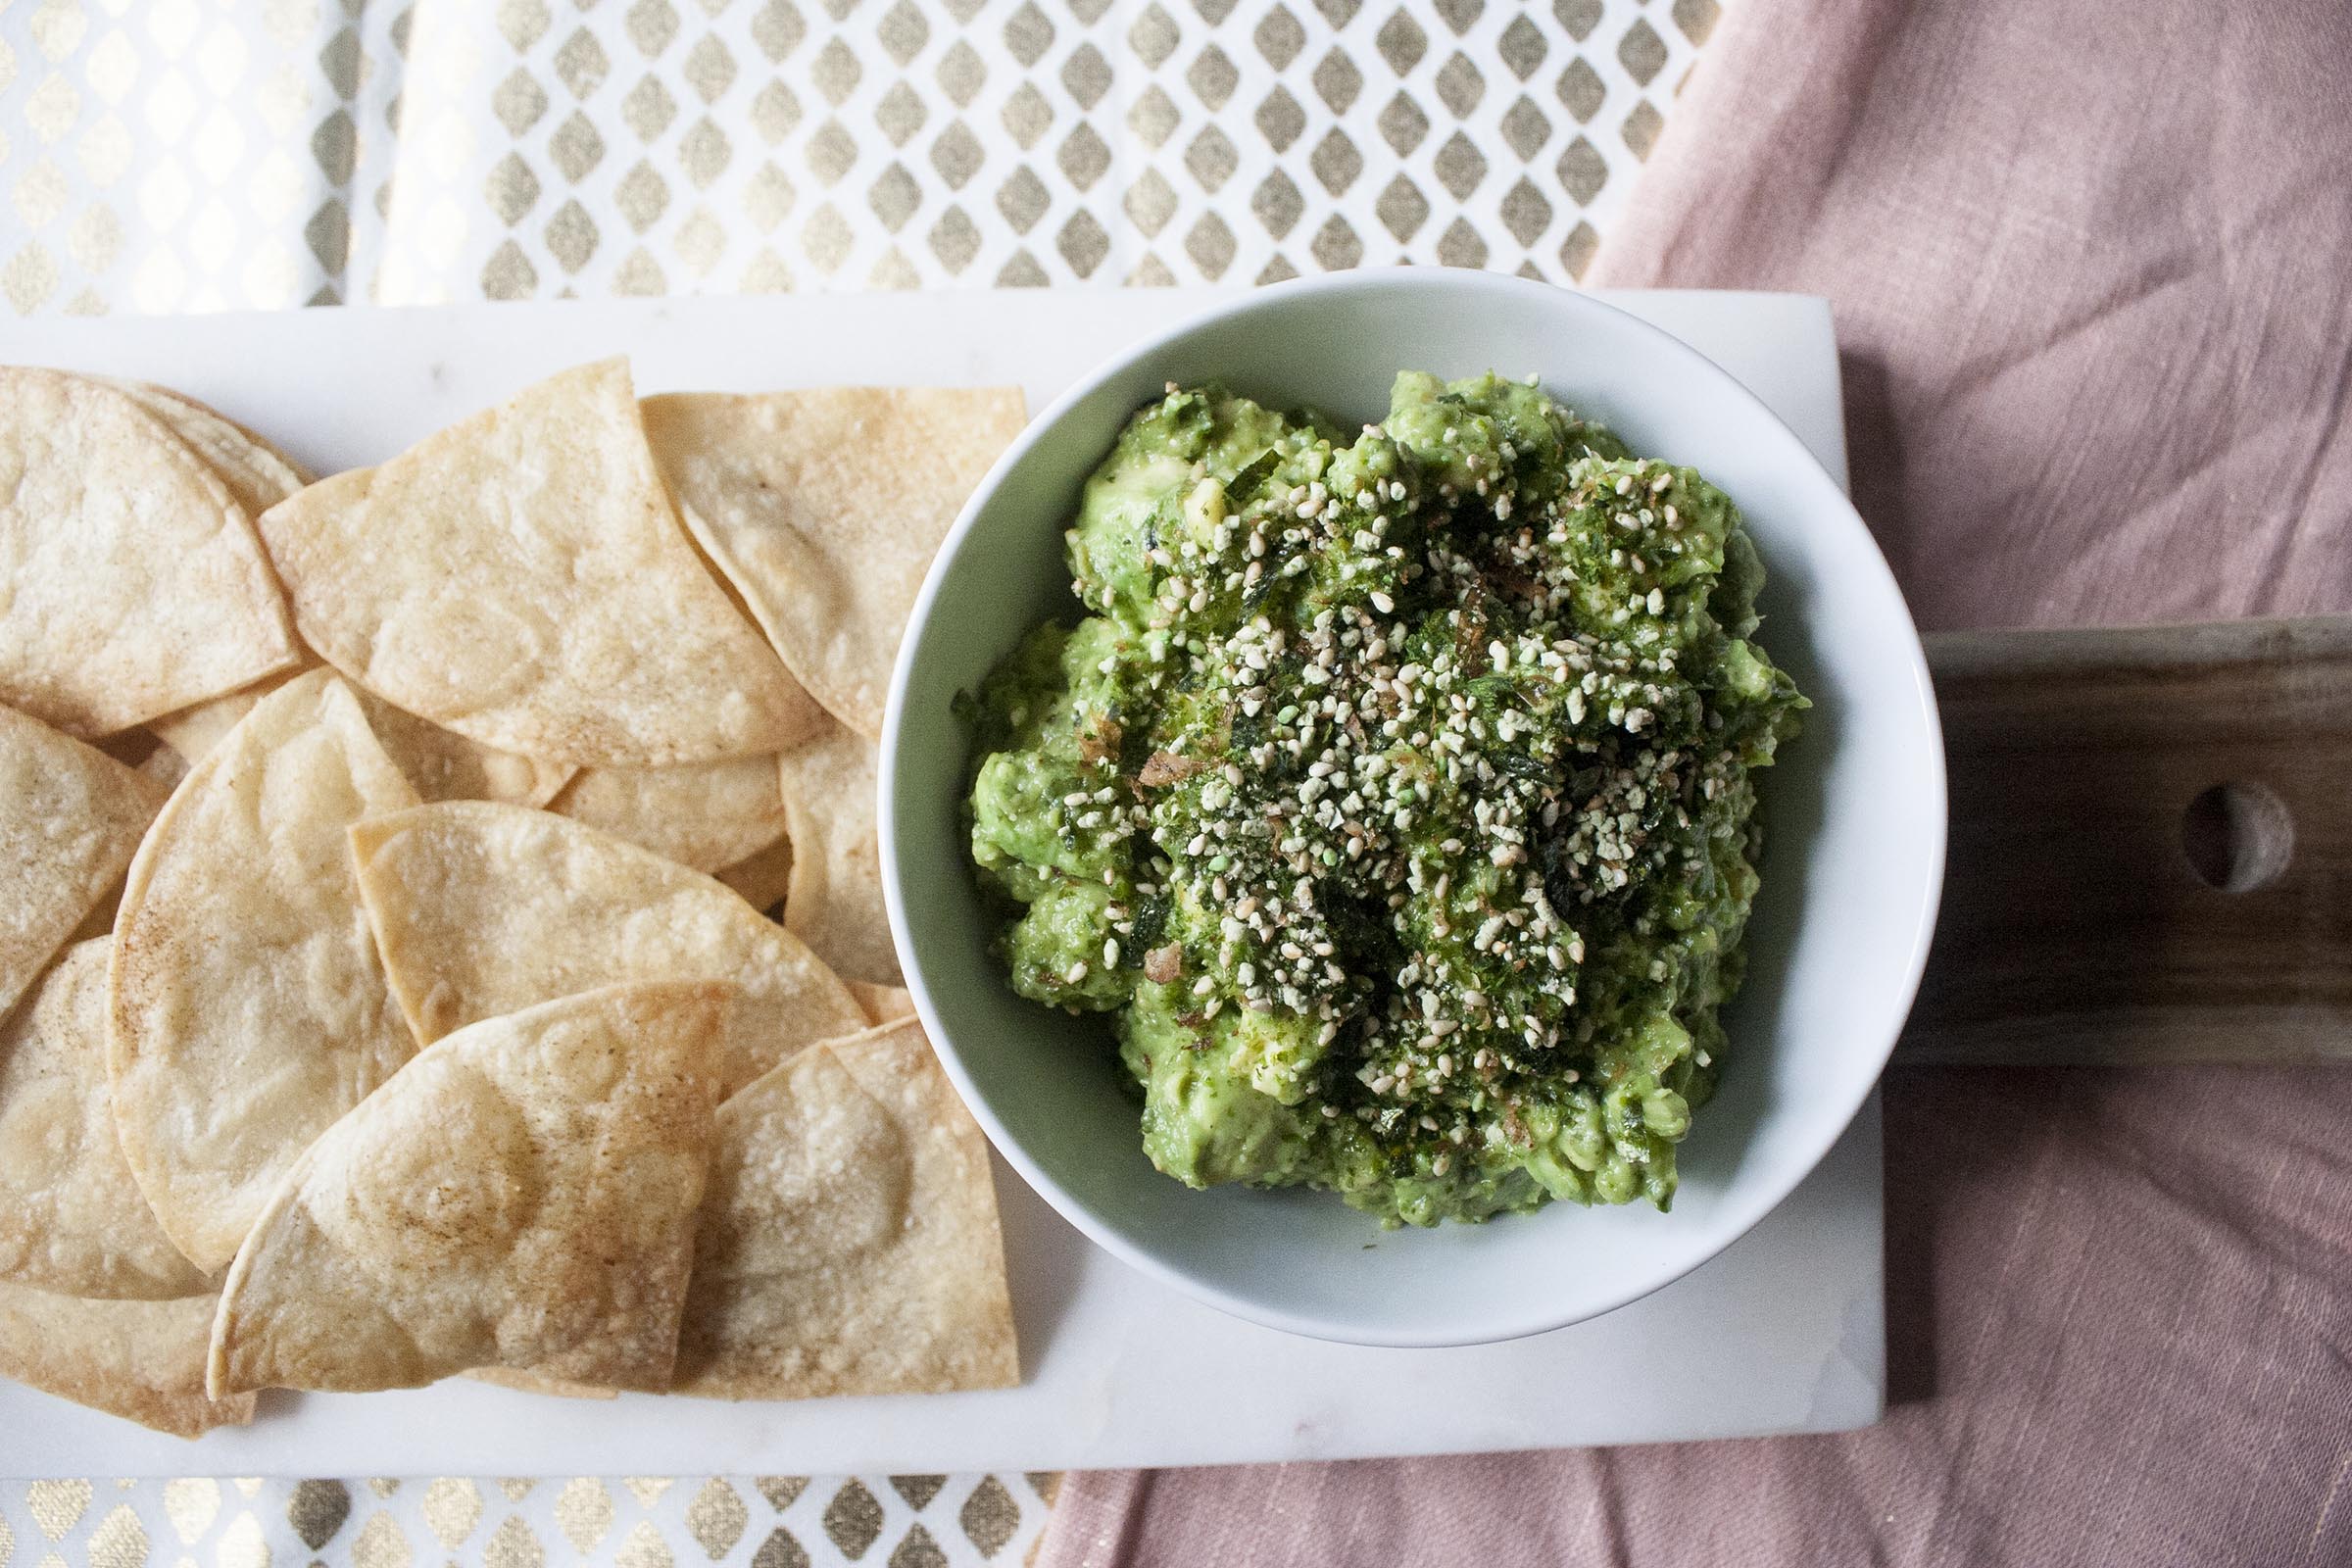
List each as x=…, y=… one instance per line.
x=2238, y=836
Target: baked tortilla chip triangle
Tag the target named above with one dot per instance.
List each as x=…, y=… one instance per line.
x=707, y=816
x=521, y=1194
x=440, y=764
x=824, y=508
x=834, y=900
x=248, y=1007
x=256, y=472
x=484, y=909
x=71, y=1219
x=522, y=578
x=71, y=818
x=140, y=1360
x=134, y=583
x=849, y=1240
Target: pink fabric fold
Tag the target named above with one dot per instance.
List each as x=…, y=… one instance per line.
x=2089, y=266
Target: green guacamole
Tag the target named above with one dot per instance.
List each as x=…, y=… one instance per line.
x=1395, y=796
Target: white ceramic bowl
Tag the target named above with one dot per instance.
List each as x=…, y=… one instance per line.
x=1854, y=815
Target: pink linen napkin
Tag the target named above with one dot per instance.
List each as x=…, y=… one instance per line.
x=2092, y=272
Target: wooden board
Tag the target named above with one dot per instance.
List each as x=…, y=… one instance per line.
x=2151, y=847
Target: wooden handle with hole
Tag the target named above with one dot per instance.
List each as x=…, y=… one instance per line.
x=2151, y=847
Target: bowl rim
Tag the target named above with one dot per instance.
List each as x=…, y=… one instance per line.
x=1762, y=1196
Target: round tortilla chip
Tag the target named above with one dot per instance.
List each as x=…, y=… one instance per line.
x=71, y=1219
x=141, y=1360
x=71, y=818
x=834, y=901
x=849, y=1240
x=248, y=1007
x=522, y=578
x=707, y=816
x=256, y=472
x=521, y=1194
x=440, y=764
x=484, y=909
x=824, y=508
x=136, y=583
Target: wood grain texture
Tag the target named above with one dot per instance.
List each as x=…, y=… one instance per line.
x=2074, y=927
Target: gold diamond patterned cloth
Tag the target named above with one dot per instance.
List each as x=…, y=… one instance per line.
x=637, y=1522
x=187, y=156
x=203, y=155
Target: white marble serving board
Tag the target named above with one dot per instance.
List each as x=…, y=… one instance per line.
x=1783, y=1333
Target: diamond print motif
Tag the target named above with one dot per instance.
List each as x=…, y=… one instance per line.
x=1212, y=157
x=1280, y=120
x=1086, y=75
x=1279, y=38
x=1642, y=51
x=1212, y=77
x=900, y=113
x=1154, y=116
x=1336, y=162
x=1028, y=35
x=1524, y=129
x=956, y=156
x=1402, y=124
x=1154, y=38
x=1401, y=43
x=1338, y=81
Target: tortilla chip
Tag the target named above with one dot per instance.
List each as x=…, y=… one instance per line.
x=197, y=729
x=71, y=818
x=140, y=1360
x=521, y=1194
x=707, y=816
x=522, y=578
x=248, y=1006
x=440, y=764
x=849, y=1243
x=761, y=880
x=71, y=1219
x=824, y=508
x=135, y=582
x=834, y=901
x=882, y=1004
x=523, y=1381
x=256, y=472
x=484, y=909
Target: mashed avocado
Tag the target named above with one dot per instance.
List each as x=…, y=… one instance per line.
x=1395, y=796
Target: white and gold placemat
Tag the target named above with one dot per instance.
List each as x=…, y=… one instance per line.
x=186, y=156
x=631, y=1521
x=204, y=155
